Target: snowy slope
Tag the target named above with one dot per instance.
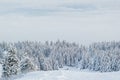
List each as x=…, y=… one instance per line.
x=70, y=75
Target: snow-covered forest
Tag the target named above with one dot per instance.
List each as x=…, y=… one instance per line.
x=24, y=57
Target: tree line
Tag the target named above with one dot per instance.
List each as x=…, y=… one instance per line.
x=27, y=56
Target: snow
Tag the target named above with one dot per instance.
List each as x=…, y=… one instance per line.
x=70, y=75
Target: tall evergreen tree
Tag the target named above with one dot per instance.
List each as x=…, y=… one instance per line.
x=10, y=65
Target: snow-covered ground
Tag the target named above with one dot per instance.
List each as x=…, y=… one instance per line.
x=70, y=75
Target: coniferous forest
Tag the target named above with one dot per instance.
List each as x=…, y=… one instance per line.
x=27, y=56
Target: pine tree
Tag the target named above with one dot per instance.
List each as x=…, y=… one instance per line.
x=26, y=64
x=10, y=65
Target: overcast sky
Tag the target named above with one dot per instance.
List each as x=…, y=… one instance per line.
x=80, y=21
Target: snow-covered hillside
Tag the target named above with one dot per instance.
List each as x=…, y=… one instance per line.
x=25, y=57
x=70, y=75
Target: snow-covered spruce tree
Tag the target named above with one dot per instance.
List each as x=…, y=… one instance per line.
x=10, y=65
x=26, y=64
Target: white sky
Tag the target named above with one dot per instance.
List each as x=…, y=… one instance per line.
x=81, y=21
